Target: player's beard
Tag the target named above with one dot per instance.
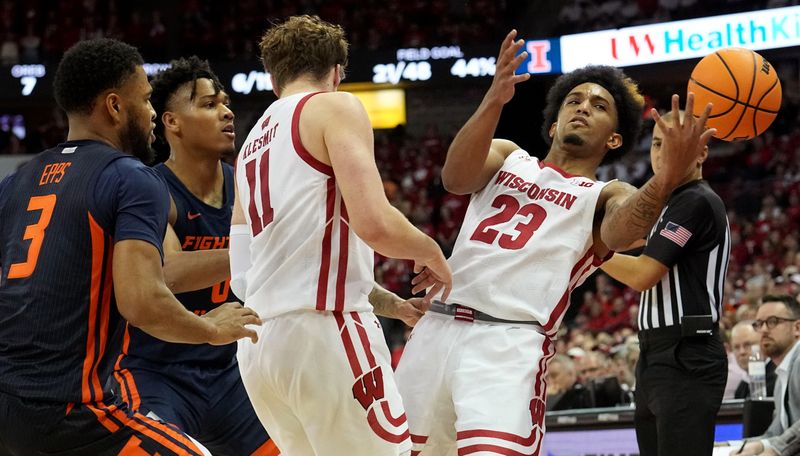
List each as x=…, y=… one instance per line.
x=574, y=139
x=136, y=141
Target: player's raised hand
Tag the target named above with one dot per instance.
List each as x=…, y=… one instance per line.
x=230, y=320
x=684, y=140
x=502, y=88
x=434, y=273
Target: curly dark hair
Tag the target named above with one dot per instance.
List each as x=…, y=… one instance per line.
x=165, y=83
x=90, y=67
x=628, y=100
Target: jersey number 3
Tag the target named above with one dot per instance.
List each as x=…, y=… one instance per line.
x=259, y=222
x=35, y=233
x=510, y=207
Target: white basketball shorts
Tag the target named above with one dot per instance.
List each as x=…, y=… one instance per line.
x=322, y=384
x=474, y=388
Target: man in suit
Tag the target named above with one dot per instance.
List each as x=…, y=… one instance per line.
x=785, y=444
x=743, y=337
x=778, y=322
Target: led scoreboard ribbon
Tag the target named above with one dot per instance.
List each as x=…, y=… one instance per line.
x=447, y=63
x=424, y=64
x=433, y=65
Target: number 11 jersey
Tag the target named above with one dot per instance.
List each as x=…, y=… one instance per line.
x=526, y=242
x=303, y=253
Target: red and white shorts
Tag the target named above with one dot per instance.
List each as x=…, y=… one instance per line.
x=474, y=388
x=322, y=384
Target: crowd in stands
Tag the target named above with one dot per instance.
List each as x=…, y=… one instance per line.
x=585, y=15
x=41, y=30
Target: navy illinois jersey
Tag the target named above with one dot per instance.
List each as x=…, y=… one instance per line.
x=198, y=227
x=60, y=216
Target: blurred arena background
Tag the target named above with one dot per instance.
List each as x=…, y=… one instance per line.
x=421, y=68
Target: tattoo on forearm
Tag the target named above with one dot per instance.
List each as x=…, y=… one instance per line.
x=647, y=206
x=636, y=215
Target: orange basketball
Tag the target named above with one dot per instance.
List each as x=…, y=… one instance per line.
x=744, y=89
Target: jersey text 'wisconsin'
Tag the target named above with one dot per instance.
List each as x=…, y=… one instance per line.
x=534, y=192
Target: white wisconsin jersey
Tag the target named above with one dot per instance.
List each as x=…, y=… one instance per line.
x=526, y=242
x=303, y=253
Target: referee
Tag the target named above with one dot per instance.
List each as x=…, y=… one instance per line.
x=682, y=368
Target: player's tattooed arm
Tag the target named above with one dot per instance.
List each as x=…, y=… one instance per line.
x=630, y=213
x=388, y=304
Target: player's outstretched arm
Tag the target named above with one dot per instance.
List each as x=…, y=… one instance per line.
x=630, y=213
x=347, y=137
x=145, y=301
x=192, y=270
x=388, y=304
x=638, y=272
x=473, y=157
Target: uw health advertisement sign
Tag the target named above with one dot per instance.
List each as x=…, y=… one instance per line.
x=694, y=38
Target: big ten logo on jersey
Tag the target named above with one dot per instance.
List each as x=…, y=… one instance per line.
x=369, y=387
x=260, y=142
x=54, y=172
x=581, y=182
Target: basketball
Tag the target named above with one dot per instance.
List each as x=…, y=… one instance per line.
x=744, y=89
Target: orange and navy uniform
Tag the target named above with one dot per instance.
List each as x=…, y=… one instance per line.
x=60, y=330
x=199, y=227
x=195, y=387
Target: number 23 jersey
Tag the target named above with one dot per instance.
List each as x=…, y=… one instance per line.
x=526, y=242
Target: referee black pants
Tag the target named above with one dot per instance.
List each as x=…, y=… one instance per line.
x=679, y=388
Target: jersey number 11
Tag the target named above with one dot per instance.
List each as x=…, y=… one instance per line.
x=259, y=222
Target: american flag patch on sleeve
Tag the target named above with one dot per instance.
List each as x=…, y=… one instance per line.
x=676, y=233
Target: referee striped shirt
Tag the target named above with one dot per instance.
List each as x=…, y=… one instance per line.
x=693, y=240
